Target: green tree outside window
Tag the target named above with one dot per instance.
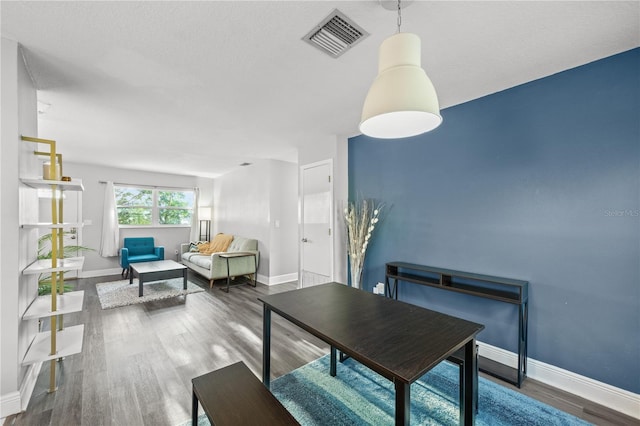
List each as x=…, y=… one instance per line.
x=175, y=207
x=136, y=206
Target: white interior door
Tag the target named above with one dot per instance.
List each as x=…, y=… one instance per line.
x=316, y=258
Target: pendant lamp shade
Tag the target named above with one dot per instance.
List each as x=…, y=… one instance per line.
x=402, y=101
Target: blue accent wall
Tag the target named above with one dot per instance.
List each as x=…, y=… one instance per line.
x=539, y=182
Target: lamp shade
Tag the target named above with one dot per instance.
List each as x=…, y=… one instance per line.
x=402, y=101
x=204, y=213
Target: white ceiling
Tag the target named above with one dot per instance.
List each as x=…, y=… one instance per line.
x=199, y=87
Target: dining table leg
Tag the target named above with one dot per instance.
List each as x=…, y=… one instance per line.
x=470, y=383
x=403, y=403
x=194, y=408
x=332, y=367
x=266, y=345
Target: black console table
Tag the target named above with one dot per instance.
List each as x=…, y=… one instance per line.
x=495, y=288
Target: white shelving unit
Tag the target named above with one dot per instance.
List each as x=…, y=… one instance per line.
x=60, y=184
x=43, y=266
x=67, y=303
x=59, y=341
x=68, y=341
x=44, y=225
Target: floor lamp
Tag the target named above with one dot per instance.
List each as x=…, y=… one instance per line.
x=204, y=214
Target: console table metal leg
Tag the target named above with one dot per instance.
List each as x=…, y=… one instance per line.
x=522, y=342
x=228, y=276
x=526, y=336
x=255, y=273
x=391, y=291
x=266, y=345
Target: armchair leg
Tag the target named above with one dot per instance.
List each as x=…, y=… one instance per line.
x=125, y=273
x=210, y=283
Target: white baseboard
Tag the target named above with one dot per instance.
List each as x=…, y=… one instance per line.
x=10, y=404
x=16, y=402
x=279, y=279
x=601, y=393
x=99, y=273
x=29, y=383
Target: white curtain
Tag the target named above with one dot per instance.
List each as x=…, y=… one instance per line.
x=110, y=231
x=195, y=221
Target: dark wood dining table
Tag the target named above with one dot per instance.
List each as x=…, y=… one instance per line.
x=397, y=340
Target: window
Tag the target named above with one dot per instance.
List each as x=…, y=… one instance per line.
x=154, y=207
x=175, y=207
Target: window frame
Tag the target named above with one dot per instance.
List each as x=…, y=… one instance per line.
x=155, y=207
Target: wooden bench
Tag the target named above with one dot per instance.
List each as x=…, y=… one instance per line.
x=233, y=395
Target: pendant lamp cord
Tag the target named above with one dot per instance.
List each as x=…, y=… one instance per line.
x=399, y=16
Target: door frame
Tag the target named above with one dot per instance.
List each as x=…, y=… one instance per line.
x=328, y=162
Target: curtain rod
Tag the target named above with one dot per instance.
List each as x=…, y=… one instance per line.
x=149, y=186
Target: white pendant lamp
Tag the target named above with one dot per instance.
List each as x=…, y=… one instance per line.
x=402, y=101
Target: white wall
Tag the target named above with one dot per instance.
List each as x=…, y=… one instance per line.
x=284, y=219
x=18, y=204
x=92, y=210
x=335, y=148
x=241, y=207
x=249, y=201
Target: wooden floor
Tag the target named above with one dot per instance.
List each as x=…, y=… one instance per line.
x=138, y=361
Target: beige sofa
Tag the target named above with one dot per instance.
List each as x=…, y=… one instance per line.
x=213, y=267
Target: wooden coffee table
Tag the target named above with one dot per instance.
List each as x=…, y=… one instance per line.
x=156, y=271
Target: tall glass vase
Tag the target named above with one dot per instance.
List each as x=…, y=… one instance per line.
x=356, y=273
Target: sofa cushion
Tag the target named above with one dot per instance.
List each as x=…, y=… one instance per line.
x=188, y=255
x=143, y=258
x=198, y=259
x=243, y=244
x=201, y=261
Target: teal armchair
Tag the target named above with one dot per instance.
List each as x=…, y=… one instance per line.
x=139, y=249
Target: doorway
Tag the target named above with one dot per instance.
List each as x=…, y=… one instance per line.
x=316, y=230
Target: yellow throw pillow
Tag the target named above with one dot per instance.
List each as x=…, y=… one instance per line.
x=220, y=243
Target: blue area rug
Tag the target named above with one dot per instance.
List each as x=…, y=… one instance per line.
x=358, y=396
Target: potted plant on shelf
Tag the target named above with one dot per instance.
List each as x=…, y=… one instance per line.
x=45, y=252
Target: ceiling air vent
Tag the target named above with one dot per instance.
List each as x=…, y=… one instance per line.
x=335, y=34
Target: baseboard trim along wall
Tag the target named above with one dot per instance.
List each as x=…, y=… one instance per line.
x=29, y=384
x=279, y=279
x=16, y=402
x=9, y=404
x=99, y=273
x=615, y=398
